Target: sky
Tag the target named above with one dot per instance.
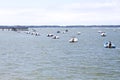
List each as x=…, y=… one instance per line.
x=59, y=12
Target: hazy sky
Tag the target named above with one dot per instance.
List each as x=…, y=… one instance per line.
x=59, y=12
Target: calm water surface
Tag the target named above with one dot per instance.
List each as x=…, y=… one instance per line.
x=29, y=57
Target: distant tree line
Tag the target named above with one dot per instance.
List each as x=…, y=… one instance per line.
x=57, y=26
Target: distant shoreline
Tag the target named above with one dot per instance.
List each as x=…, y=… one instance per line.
x=57, y=26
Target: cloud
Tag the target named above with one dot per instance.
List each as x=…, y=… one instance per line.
x=66, y=14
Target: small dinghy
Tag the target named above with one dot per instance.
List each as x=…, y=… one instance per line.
x=78, y=33
x=109, y=45
x=50, y=35
x=55, y=37
x=72, y=40
x=103, y=34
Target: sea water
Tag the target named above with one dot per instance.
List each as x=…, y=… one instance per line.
x=29, y=57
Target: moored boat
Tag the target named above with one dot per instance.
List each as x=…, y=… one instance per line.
x=103, y=34
x=55, y=37
x=109, y=45
x=78, y=33
x=72, y=40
